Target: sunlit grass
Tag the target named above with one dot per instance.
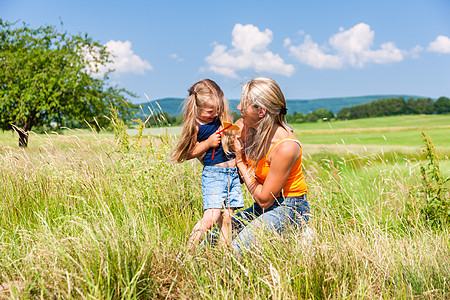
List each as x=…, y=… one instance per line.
x=81, y=218
x=410, y=137
x=383, y=131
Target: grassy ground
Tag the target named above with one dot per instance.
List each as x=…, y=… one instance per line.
x=106, y=216
x=385, y=131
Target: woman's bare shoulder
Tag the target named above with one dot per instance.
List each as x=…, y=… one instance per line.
x=282, y=133
x=284, y=149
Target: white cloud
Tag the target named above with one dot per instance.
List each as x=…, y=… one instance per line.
x=415, y=51
x=176, y=57
x=124, y=59
x=311, y=54
x=287, y=42
x=387, y=54
x=441, y=45
x=249, y=52
x=350, y=47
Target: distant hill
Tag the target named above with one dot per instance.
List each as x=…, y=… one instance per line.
x=173, y=106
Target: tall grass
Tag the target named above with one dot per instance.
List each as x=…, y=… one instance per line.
x=87, y=217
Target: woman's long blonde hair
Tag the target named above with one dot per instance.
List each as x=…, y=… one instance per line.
x=265, y=93
x=199, y=94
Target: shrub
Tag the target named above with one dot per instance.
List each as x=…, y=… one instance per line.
x=436, y=208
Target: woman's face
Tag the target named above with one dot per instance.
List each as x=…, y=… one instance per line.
x=208, y=112
x=251, y=116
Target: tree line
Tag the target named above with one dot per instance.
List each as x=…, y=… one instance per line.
x=395, y=106
x=377, y=108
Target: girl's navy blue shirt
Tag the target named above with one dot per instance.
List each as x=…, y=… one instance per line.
x=204, y=132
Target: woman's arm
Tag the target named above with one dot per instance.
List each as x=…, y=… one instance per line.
x=281, y=161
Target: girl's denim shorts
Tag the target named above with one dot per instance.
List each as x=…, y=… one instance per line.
x=221, y=188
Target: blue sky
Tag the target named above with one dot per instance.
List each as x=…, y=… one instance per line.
x=313, y=49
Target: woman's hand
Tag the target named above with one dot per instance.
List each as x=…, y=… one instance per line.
x=239, y=142
x=239, y=149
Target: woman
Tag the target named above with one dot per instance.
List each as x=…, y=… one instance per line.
x=268, y=157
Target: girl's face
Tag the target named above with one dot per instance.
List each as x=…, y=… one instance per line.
x=251, y=116
x=208, y=113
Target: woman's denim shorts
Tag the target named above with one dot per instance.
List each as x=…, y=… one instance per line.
x=221, y=188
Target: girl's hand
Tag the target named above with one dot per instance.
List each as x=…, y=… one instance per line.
x=214, y=140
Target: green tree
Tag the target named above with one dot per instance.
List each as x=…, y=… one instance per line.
x=442, y=105
x=299, y=117
x=344, y=113
x=425, y=105
x=45, y=77
x=420, y=106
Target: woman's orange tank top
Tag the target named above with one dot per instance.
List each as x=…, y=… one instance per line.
x=295, y=185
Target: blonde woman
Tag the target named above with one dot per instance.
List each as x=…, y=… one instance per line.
x=203, y=112
x=269, y=160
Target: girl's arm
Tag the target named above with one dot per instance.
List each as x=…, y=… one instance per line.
x=282, y=159
x=200, y=148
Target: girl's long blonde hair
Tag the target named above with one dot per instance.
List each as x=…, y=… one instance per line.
x=263, y=92
x=199, y=94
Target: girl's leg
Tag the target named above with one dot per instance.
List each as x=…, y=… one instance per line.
x=238, y=222
x=210, y=217
x=225, y=227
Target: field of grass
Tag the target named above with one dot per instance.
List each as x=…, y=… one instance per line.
x=383, y=131
x=106, y=216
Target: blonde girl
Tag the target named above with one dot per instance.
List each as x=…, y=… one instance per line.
x=203, y=112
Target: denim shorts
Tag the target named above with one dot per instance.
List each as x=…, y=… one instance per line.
x=221, y=188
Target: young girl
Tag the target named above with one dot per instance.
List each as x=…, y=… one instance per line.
x=203, y=112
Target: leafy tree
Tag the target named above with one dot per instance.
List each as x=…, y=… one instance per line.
x=45, y=77
x=299, y=118
x=397, y=106
x=442, y=105
x=344, y=113
x=311, y=117
x=319, y=114
x=387, y=107
x=425, y=105
x=420, y=106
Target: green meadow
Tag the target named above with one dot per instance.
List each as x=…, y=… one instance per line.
x=87, y=215
x=383, y=131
